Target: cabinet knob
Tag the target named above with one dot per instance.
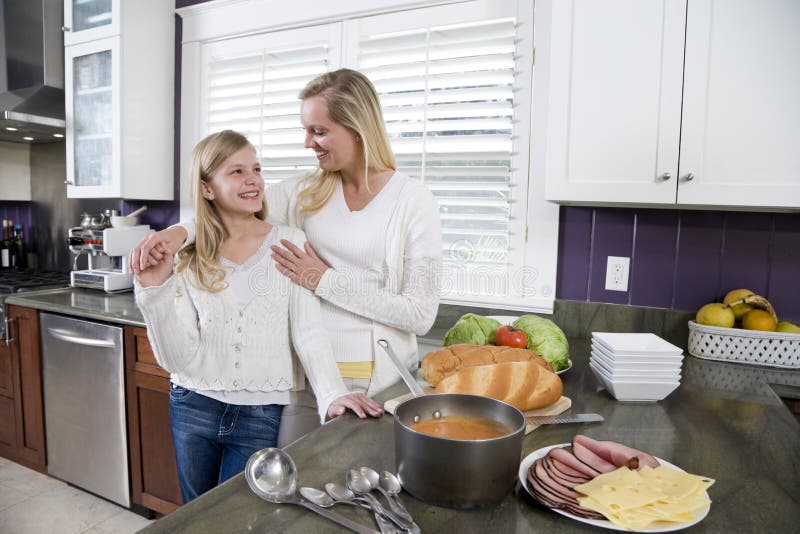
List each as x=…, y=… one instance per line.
x=66, y=29
x=688, y=177
x=666, y=176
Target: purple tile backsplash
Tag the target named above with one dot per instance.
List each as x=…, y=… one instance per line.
x=680, y=259
x=19, y=212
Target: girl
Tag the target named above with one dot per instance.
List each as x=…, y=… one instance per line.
x=225, y=323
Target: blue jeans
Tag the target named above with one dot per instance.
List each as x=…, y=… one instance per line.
x=213, y=439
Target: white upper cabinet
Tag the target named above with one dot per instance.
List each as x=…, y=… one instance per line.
x=660, y=103
x=88, y=20
x=119, y=107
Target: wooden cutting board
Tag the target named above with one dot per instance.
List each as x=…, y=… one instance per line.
x=561, y=405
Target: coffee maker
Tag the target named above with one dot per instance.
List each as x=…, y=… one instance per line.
x=107, y=252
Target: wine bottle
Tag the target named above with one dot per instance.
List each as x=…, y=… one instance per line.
x=18, y=250
x=5, y=247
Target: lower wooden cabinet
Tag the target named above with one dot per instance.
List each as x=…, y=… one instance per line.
x=22, y=437
x=154, y=475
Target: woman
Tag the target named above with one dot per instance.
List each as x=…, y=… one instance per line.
x=374, y=239
x=225, y=323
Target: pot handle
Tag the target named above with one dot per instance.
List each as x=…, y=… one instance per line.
x=412, y=384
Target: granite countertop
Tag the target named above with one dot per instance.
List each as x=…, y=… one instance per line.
x=81, y=302
x=723, y=422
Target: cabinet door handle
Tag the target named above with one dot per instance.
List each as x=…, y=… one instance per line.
x=69, y=182
x=69, y=337
x=666, y=176
x=688, y=177
x=8, y=339
x=66, y=29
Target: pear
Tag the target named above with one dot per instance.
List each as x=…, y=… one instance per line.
x=787, y=328
x=738, y=294
x=716, y=314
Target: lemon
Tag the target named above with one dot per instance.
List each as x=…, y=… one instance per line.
x=787, y=327
x=715, y=314
x=738, y=294
x=759, y=320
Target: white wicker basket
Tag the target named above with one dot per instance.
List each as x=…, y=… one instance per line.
x=775, y=349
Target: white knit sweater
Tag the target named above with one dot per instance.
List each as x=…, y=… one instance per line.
x=408, y=302
x=207, y=342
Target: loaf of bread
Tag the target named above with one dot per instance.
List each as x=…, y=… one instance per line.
x=448, y=360
x=524, y=384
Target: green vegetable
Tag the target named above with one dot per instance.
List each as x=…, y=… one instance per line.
x=471, y=328
x=546, y=338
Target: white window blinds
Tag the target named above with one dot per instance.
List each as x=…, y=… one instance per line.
x=255, y=93
x=448, y=99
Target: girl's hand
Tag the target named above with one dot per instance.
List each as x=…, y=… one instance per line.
x=358, y=403
x=157, y=273
x=303, y=267
x=156, y=246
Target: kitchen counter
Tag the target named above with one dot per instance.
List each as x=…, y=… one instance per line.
x=724, y=421
x=85, y=303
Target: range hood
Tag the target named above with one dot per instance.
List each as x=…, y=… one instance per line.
x=31, y=71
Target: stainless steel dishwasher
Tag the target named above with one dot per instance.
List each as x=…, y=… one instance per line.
x=84, y=405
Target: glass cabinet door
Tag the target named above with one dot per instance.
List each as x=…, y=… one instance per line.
x=88, y=14
x=92, y=126
x=87, y=20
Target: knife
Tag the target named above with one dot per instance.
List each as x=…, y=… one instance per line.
x=561, y=419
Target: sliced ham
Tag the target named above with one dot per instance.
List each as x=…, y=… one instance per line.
x=587, y=456
x=566, y=457
x=560, y=489
x=545, y=496
x=615, y=453
x=569, y=480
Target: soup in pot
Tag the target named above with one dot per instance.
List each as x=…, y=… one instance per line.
x=462, y=427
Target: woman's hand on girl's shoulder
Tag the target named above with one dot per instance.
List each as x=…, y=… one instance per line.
x=358, y=403
x=157, y=273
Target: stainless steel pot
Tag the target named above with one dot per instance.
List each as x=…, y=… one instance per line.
x=97, y=221
x=457, y=473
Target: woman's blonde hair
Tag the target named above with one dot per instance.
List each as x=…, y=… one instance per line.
x=202, y=256
x=352, y=102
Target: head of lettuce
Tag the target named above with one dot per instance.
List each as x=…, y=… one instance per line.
x=473, y=329
x=546, y=338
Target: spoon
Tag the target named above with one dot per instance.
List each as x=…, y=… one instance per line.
x=359, y=484
x=391, y=486
x=374, y=481
x=343, y=495
x=272, y=475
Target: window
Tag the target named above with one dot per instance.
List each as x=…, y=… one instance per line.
x=455, y=86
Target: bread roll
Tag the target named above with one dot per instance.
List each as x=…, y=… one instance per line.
x=525, y=384
x=448, y=360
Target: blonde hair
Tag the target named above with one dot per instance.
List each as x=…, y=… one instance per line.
x=202, y=256
x=352, y=102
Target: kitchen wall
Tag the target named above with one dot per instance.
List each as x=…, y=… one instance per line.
x=680, y=259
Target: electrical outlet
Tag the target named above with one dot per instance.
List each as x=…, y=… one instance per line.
x=617, y=273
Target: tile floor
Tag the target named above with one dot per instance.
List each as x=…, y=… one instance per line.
x=33, y=503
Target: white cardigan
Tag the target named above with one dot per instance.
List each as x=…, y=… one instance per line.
x=207, y=342
x=408, y=302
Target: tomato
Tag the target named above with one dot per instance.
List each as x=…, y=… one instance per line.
x=510, y=336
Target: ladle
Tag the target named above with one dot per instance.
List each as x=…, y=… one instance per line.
x=359, y=484
x=272, y=475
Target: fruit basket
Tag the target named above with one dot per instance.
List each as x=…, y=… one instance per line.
x=774, y=349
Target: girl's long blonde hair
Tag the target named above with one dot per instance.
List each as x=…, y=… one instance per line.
x=352, y=102
x=202, y=257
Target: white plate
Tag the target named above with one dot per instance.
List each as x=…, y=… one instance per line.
x=647, y=343
x=645, y=373
x=508, y=319
x=604, y=523
x=638, y=358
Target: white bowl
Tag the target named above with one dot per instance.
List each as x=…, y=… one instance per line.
x=638, y=358
x=635, y=373
x=635, y=344
x=118, y=221
x=634, y=365
x=635, y=391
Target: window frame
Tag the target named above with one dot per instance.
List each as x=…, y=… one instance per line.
x=536, y=253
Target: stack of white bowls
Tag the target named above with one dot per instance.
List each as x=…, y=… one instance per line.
x=636, y=367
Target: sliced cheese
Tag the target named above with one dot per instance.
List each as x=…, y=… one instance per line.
x=635, y=499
